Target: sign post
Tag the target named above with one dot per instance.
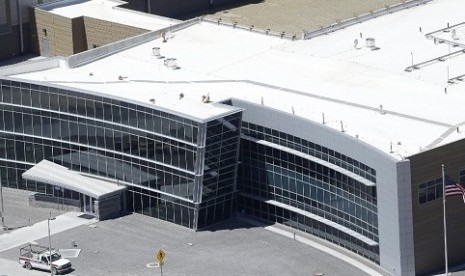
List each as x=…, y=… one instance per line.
x=160, y=257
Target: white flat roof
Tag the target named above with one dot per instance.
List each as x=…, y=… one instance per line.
x=399, y=112
x=108, y=10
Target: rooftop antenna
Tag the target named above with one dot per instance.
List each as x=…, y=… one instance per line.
x=342, y=127
x=391, y=151
x=181, y=95
x=323, y=115
x=261, y=99
x=293, y=111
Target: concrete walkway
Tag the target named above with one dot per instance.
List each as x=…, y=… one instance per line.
x=40, y=230
x=365, y=268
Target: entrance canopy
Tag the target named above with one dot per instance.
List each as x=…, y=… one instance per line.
x=54, y=174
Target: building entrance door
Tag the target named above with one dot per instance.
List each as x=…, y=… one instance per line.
x=87, y=204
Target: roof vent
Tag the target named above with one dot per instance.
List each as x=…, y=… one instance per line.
x=357, y=46
x=370, y=43
x=454, y=35
x=152, y=101
x=156, y=52
x=171, y=63
x=206, y=98
x=181, y=95
x=381, y=110
x=163, y=37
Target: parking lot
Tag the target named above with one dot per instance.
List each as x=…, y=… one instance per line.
x=128, y=245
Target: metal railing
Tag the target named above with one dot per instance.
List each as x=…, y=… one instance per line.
x=252, y=28
x=442, y=58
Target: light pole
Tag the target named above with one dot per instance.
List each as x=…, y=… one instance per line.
x=50, y=242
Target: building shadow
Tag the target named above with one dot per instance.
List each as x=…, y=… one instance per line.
x=237, y=222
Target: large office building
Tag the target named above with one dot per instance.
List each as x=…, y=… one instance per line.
x=342, y=136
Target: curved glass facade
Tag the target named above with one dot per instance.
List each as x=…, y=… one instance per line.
x=271, y=178
x=158, y=155
x=184, y=170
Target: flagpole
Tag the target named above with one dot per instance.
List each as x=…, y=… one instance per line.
x=444, y=212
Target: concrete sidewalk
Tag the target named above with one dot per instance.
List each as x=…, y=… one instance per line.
x=343, y=257
x=40, y=230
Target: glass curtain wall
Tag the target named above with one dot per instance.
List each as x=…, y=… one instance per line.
x=151, y=151
x=267, y=173
x=220, y=169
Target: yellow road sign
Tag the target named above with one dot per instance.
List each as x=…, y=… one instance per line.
x=161, y=256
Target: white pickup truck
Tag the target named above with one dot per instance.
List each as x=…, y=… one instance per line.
x=38, y=256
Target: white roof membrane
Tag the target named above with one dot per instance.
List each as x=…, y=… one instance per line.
x=362, y=91
x=54, y=174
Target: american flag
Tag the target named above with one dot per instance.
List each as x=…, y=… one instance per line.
x=453, y=188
